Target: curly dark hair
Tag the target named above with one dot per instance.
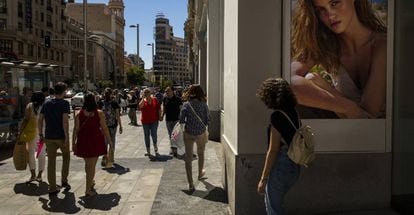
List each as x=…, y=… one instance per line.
x=89, y=102
x=277, y=94
x=195, y=92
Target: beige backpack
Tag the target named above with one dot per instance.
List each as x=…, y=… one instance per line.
x=301, y=149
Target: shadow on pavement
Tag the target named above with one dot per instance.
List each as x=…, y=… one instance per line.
x=31, y=189
x=117, y=169
x=160, y=158
x=66, y=205
x=103, y=202
x=213, y=193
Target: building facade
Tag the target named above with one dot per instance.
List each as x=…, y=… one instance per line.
x=170, y=61
x=25, y=23
x=105, y=21
x=361, y=164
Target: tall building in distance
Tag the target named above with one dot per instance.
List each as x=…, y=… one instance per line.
x=170, y=53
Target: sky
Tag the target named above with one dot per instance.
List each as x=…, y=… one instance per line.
x=143, y=12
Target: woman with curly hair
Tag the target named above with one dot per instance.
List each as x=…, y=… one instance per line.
x=279, y=172
x=349, y=41
x=195, y=115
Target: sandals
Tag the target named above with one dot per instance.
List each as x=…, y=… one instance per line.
x=201, y=176
x=191, y=189
x=33, y=178
x=91, y=193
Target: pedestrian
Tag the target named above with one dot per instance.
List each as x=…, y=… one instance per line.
x=111, y=110
x=279, y=172
x=150, y=115
x=348, y=41
x=29, y=129
x=55, y=112
x=195, y=116
x=88, y=138
x=132, y=105
x=171, y=110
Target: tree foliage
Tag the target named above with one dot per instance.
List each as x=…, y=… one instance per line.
x=135, y=76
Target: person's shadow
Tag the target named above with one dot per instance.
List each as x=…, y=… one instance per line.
x=66, y=205
x=31, y=189
x=103, y=202
x=213, y=193
x=117, y=169
x=160, y=158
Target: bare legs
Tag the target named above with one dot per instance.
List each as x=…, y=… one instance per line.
x=90, y=165
x=189, y=144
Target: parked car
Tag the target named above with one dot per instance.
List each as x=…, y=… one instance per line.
x=70, y=93
x=77, y=100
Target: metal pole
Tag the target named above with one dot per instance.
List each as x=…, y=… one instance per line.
x=138, y=44
x=152, y=45
x=85, y=44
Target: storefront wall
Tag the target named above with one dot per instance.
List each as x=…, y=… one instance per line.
x=350, y=173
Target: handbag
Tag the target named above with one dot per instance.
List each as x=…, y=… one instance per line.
x=177, y=138
x=20, y=156
x=199, y=118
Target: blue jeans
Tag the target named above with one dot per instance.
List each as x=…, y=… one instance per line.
x=170, y=127
x=283, y=175
x=150, y=129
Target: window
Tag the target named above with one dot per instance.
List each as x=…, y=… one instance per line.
x=45, y=53
x=52, y=55
x=20, y=26
x=3, y=24
x=6, y=45
x=20, y=48
x=3, y=6
x=39, y=52
x=42, y=17
x=20, y=9
x=30, y=50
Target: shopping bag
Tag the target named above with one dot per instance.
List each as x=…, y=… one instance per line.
x=177, y=138
x=40, y=145
x=20, y=156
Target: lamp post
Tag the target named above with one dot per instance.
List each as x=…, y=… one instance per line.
x=137, y=26
x=152, y=53
x=85, y=44
x=94, y=38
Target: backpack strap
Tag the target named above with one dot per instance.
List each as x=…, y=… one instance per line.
x=293, y=124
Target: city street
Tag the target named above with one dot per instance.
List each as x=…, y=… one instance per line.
x=135, y=186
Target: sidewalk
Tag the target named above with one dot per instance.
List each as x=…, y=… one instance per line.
x=135, y=186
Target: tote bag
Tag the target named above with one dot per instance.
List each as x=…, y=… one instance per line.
x=20, y=156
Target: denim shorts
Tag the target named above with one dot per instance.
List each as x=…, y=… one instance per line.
x=283, y=175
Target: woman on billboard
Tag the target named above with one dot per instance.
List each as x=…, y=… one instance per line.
x=339, y=50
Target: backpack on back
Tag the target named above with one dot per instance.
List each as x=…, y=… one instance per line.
x=301, y=149
x=110, y=115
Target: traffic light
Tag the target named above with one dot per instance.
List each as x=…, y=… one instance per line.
x=47, y=41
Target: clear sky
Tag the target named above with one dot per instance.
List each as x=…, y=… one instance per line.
x=143, y=12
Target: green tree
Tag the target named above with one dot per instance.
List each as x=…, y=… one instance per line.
x=135, y=76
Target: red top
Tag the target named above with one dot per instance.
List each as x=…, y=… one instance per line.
x=149, y=112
